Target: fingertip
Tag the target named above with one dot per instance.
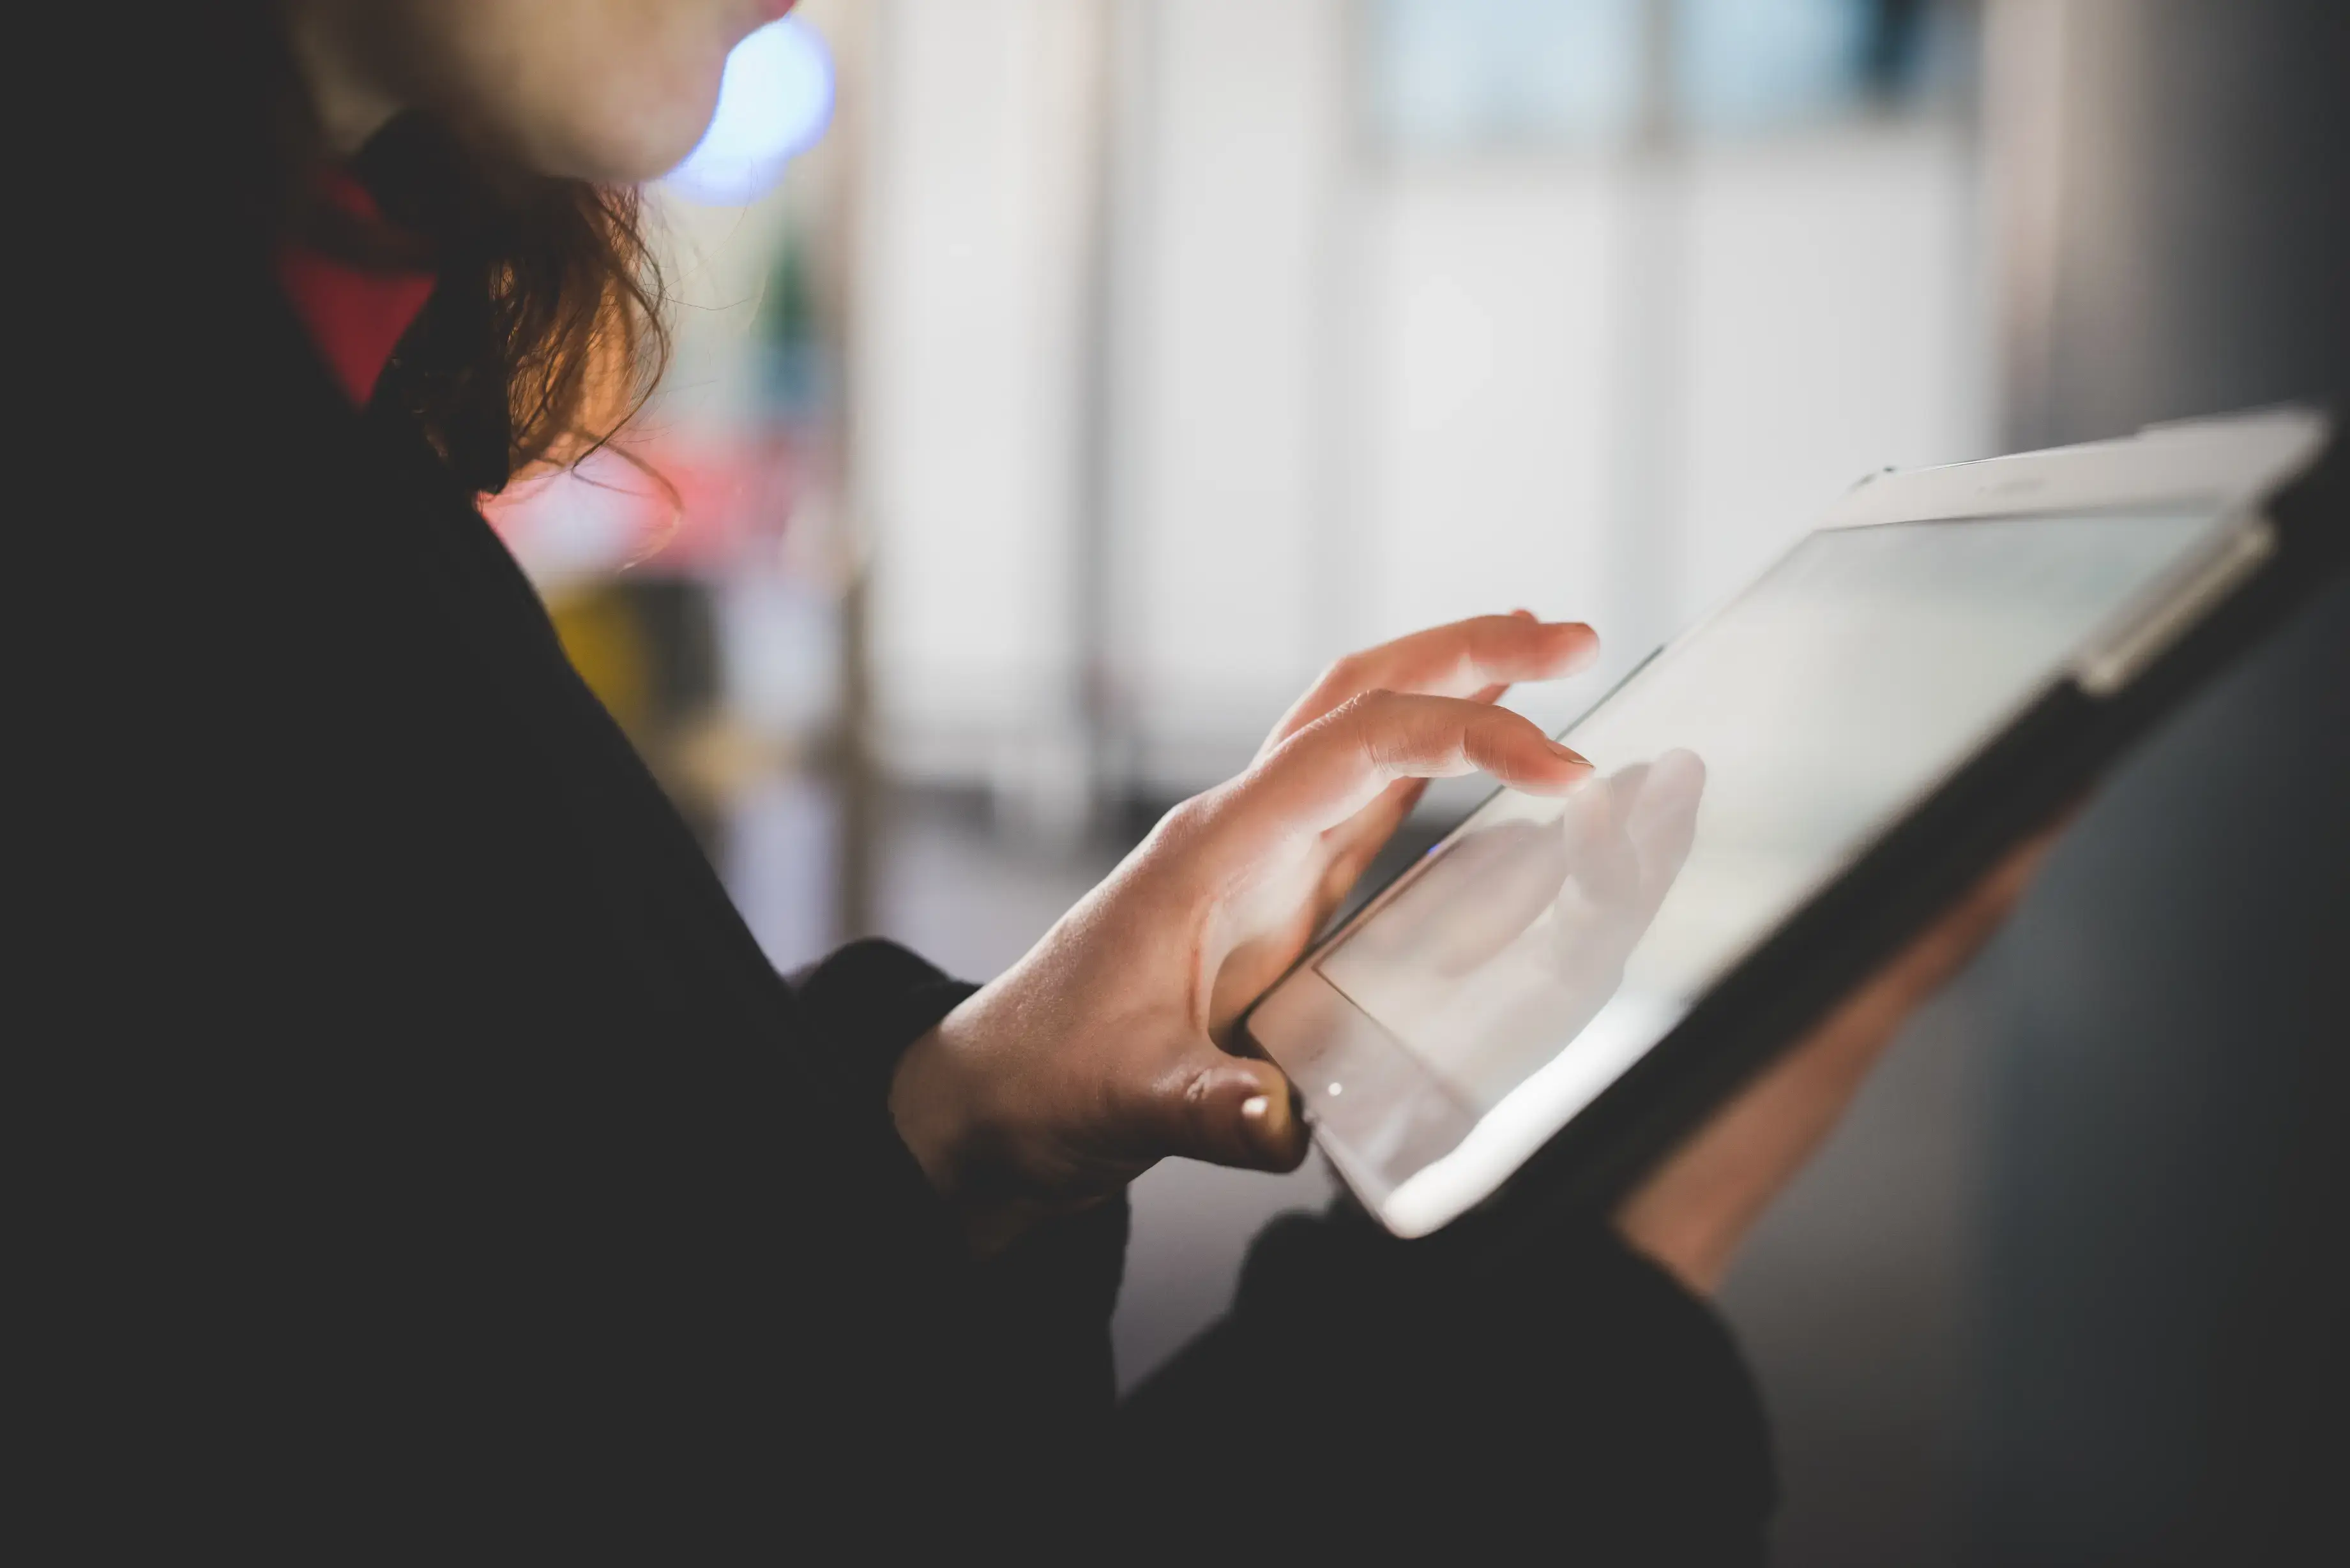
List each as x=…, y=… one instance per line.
x=1236, y=1112
x=1554, y=648
x=1525, y=759
x=1268, y=1125
x=1582, y=643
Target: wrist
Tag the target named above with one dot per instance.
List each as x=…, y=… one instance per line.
x=929, y=1113
x=936, y=1104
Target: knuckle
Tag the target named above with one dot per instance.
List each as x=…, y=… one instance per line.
x=1372, y=717
x=1201, y=1106
x=1487, y=737
x=1186, y=823
x=1490, y=634
x=1362, y=709
x=1490, y=630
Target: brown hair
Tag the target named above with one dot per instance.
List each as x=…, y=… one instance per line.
x=544, y=335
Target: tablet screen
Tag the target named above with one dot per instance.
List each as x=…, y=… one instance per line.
x=1559, y=938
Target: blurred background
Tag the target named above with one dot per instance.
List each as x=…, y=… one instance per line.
x=1060, y=383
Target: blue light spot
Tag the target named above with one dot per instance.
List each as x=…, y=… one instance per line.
x=774, y=103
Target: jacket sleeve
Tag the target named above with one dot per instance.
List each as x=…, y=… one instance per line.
x=1033, y=1371
x=1512, y=1375
x=1503, y=1384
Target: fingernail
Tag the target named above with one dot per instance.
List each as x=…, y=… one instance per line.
x=1255, y=1107
x=1571, y=754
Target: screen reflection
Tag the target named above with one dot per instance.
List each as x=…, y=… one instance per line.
x=1552, y=941
x=1516, y=933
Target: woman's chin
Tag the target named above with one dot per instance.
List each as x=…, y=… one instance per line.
x=626, y=148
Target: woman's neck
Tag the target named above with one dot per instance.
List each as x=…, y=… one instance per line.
x=327, y=40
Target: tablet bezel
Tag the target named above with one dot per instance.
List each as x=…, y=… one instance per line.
x=1374, y=1110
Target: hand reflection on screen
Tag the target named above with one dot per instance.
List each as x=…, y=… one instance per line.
x=1504, y=948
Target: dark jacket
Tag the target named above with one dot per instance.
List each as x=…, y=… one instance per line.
x=448, y=1169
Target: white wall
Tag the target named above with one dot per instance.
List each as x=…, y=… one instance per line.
x=1224, y=418
x=1484, y=421
x=1343, y=397
x=1837, y=325
x=969, y=360
x=1815, y=303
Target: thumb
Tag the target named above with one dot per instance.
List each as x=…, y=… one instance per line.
x=1226, y=1110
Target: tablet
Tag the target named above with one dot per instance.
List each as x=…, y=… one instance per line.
x=1785, y=793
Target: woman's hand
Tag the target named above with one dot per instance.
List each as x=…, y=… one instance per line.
x=1099, y=1053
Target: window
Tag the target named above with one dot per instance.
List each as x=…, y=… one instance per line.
x=1448, y=77
x=1756, y=65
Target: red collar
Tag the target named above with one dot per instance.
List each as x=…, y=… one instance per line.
x=355, y=315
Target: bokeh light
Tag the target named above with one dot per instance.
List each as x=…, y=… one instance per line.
x=772, y=105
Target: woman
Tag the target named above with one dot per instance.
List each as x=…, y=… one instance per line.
x=500, y=1185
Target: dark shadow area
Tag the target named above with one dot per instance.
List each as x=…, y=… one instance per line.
x=2156, y=1372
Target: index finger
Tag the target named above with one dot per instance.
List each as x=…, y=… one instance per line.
x=1461, y=659
x=1337, y=765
